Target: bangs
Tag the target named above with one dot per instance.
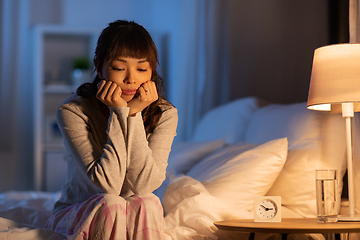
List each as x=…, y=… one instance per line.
x=135, y=46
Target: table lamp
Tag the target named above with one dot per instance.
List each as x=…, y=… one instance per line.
x=335, y=87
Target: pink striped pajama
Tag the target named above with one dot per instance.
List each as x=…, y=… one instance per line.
x=106, y=216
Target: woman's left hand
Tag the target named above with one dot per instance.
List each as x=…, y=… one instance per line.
x=147, y=94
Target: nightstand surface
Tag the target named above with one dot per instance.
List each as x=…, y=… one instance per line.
x=288, y=225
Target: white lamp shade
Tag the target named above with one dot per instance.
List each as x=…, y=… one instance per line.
x=335, y=77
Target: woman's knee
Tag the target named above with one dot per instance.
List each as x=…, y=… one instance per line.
x=147, y=201
x=109, y=204
x=109, y=199
x=146, y=215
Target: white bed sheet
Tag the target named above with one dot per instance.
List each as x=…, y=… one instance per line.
x=23, y=215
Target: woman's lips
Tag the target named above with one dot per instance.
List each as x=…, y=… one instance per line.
x=129, y=92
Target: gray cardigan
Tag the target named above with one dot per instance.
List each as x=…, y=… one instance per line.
x=112, y=155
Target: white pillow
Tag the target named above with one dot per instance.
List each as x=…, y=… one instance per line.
x=237, y=174
x=296, y=182
x=228, y=121
x=185, y=155
x=301, y=126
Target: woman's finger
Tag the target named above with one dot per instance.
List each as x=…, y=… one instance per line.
x=141, y=92
x=117, y=93
x=107, y=85
x=110, y=93
x=101, y=84
x=153, y=87
x=147, y=86
x=104, y=90
x=150, y=92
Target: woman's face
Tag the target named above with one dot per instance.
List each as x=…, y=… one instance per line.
x=128, y=73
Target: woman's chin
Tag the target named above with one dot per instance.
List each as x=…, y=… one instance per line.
x=128, y=98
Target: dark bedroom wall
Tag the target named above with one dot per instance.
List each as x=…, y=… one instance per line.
x=272, y=45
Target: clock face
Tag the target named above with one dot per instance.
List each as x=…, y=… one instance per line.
x=267, y=209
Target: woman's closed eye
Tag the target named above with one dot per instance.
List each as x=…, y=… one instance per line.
x=142, y=70
x=117, y=69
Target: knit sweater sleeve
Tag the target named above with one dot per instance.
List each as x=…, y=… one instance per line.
x=105, y=165
x=147, y=158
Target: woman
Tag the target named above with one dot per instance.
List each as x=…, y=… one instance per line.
x=118, y=133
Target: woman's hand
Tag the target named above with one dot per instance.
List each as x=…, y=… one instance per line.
x=147, y=94
x=110, y=94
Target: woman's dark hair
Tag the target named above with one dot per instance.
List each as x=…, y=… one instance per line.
x=128, y=39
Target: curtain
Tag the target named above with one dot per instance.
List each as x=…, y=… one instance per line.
x=354, y=21
x=15, y=97
x=201, y=81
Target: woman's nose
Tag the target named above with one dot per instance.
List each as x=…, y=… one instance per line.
x=130, y=78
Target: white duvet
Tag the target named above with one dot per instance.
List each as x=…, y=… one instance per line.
x=191, y=211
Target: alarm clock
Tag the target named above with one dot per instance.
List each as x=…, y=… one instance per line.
x=267, y=209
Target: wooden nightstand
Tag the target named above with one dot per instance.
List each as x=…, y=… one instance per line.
x=288, y=226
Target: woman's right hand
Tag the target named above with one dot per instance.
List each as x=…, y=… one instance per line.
x=109, y=93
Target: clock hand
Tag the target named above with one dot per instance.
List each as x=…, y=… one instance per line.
x=266, y=209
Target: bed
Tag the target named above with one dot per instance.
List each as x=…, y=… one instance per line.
x=239, y=150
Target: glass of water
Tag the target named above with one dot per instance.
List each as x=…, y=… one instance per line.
x=326, y=196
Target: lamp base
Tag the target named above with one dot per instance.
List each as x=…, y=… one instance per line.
x=349, y=218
